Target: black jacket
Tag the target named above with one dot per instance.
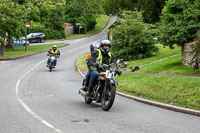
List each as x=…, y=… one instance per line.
x=105, y=59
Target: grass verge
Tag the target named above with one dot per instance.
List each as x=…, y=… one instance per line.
x=81, y=62
x=180, y=91
x=20, y=50
x=101, y=22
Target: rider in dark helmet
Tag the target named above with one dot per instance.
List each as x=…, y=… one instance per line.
x=99, y=57
x=93, y=47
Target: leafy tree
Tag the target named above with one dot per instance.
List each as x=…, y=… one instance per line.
x=152, y=8
x=49, y=16
x=12, y=21
x=115, y=6
x=134, y=38
x=84, y=12
x=180, y=22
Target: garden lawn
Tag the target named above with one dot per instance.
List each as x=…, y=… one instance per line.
x=175, y=90
x=19, y=51
x=162, y=53
x=171, y=65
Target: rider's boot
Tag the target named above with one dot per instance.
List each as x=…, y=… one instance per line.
x=87, y=94
x=84, y=87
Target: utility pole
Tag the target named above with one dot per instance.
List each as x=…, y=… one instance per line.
x=26, y=49
x=27, y=25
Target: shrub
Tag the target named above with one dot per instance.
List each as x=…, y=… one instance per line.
x=134, y=38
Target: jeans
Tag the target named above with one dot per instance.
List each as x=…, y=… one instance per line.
x=55, y=61
x=87, y=78
x=93, y=75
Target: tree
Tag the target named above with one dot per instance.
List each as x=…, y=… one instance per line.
x=180, y=22
x=151, y=8
x=84, y=12
x=134, y=38
x=48, y=16
x=11, y=21
x=115, y=6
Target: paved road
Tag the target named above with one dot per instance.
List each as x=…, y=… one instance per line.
x=34, y=100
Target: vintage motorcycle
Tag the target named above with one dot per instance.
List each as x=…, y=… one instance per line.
x=104, y=89
x=52, y=60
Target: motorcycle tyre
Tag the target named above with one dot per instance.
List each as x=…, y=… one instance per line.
x=88, y=100
x=113, y=93
x=50, y=69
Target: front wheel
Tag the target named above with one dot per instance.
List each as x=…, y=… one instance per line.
x=108, y=97
x=50, y=69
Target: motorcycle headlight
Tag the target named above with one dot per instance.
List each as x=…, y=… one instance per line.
x=113, y=67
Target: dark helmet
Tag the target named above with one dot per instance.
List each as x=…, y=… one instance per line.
x=94, y=45
x=103, y=43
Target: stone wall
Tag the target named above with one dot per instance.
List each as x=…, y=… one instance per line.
x=191, y=55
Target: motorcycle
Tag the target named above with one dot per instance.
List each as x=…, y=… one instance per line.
x=104, y=89
x=52, y=60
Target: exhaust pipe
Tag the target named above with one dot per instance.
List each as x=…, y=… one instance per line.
x=82, y=93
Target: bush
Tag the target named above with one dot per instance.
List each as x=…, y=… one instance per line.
x=49, y=32
x=86, y=23
x=91, y=22
x=36, y=27
x=54, y=34
x=134, y=38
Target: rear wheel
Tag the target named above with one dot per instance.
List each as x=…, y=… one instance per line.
x=108, y=97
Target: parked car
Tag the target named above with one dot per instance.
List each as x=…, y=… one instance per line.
x=36, y=37
x=19, y=42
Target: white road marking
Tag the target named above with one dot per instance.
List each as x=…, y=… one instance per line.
x=26, y=107
x=4, y=62
x=72, y=49
x=83, y=46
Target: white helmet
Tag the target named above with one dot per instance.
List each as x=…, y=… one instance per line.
x=105, y=42
x=54, y=46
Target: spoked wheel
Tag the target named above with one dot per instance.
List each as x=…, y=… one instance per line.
x=108, y=97
x=88, y=100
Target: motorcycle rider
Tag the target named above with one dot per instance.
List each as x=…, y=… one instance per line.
x=96, y=61
x=55, y=50
x=93, y=47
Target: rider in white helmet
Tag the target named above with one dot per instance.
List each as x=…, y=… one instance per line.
x=55, y=50
x=96, y=61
